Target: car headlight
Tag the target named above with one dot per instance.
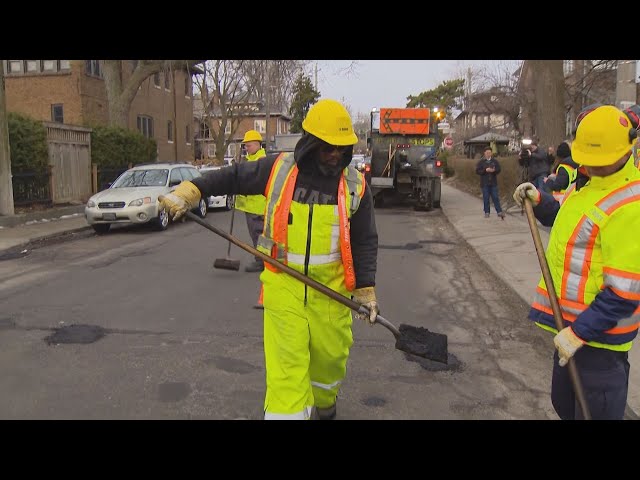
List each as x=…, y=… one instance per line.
x=91, y=204
x=139, y=201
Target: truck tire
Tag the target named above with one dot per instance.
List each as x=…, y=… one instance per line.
x=436, y=193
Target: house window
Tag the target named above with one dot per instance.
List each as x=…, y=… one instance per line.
x=145, y=125
x=567, y=67
x=32, y=66
x=187, y=86
x=65, y=64
x=92, y=67
x=211, y=150
x=187, y=134
x=15, y=66
x=170, y=131
x=167, y=80
x=205, y=131
x=260, y=126
x=57, y=113
x=227, y=128
x=49, y=65
x=156, y=79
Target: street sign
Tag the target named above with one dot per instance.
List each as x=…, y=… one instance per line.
x=448, y=142
x=442, y=125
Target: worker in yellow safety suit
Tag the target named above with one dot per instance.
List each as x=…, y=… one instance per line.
x=594, y=259
x=320, y=221
x=253, y=205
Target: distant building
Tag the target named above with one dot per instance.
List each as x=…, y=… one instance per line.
x=73, y=92
x=253, y=118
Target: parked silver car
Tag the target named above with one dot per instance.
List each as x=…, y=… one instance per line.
x=133, y=197
x=219, y=201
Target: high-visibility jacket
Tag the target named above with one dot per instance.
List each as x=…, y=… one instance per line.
x=572, y=172
x=594, y=260
x=252, y=203
x=311, y=237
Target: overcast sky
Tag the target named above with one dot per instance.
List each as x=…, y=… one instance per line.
x=387, y=83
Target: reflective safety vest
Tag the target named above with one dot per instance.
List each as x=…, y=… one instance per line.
x=588, y=251
x=252, y=203
x=572, y=173
x=310, y=236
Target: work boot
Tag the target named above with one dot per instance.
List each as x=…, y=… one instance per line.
x=501, y=215
x=256, y=266
x=328, y=413
x=486, y=215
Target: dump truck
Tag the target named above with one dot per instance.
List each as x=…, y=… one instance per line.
x=286, y=142
x=403, y=144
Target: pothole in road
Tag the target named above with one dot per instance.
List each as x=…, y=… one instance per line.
x=76, y=334
x=452, y=364
x=373, y=401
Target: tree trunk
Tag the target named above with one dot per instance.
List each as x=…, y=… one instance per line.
x=548, y=78
x=6, y=185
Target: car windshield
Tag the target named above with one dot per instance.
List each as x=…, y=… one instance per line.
x=142, y=178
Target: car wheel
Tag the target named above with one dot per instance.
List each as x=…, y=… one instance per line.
x=203, y=208
x=230, y=202
x=162, y=222
x=101, y=228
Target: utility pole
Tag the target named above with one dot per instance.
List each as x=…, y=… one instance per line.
x=626, y=83
x=267, y=101
x=6, y=187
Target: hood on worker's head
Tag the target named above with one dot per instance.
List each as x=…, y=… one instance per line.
x=307, y=154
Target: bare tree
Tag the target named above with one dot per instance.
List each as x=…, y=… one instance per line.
x=121, y=90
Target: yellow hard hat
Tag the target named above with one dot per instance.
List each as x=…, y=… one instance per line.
x=252, y=136
x=329, y=121
x=603, y=137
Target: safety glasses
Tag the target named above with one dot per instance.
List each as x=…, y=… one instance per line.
x=326, y=148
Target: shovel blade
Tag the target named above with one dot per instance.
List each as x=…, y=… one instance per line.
x=422, y=343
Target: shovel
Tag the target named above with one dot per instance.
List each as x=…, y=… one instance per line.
x=413, y=340
x=555, y=305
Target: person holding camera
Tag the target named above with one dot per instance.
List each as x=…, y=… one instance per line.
x=536, y=163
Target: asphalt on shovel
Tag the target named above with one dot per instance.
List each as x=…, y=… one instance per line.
x=228, y=263
x=413, y=340
x=555, y=306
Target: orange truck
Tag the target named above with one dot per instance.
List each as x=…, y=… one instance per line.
x=403, y=146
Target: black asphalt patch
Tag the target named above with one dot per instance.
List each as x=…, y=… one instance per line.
x=173, y=391
x=76, y=334
x=374, y=401
x=453, y=364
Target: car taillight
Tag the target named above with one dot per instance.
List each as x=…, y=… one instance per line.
x=367, y=168
x=438, y=163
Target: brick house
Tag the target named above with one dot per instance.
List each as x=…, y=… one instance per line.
x=253, y=118
x=73, y=92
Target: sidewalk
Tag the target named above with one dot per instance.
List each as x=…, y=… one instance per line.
x=19, y=230
x=507, y=248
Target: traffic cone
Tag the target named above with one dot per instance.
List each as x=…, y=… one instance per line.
x=259, y=305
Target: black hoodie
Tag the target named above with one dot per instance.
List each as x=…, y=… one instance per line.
x=312, y=187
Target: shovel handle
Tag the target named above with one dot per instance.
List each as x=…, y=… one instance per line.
x=555, y=305
x=353, y=305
